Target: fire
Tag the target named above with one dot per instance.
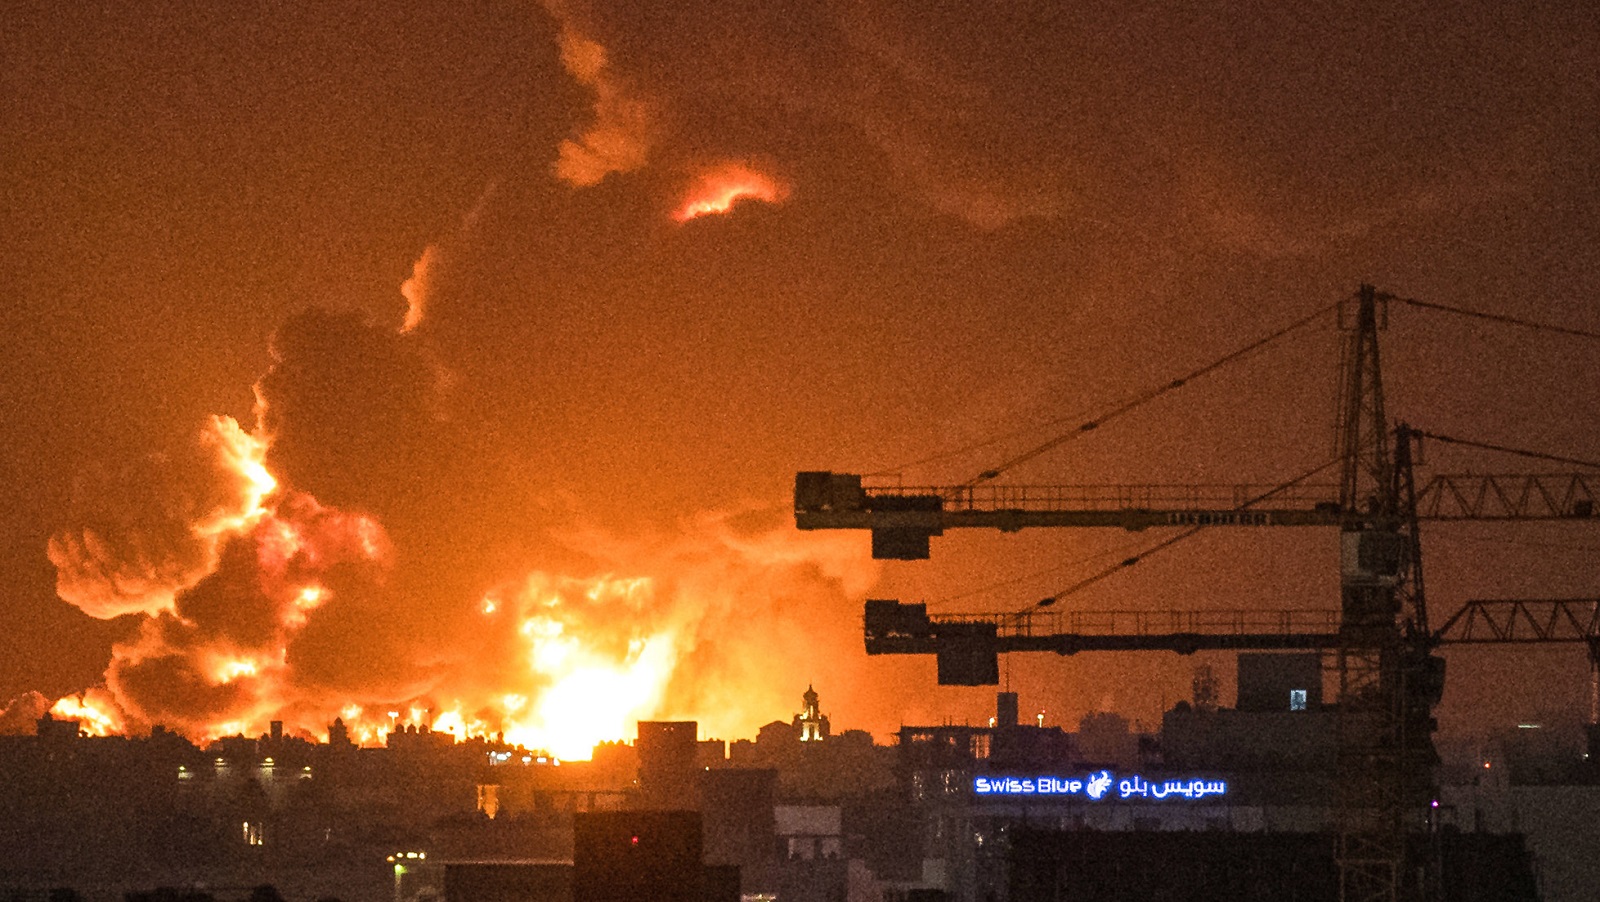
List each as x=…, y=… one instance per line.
x=594, y=702
x=451, y=722
x=160, y=528
x=244, y=454
x=223, y=648
x=557, y=664
x=306, y=600
x=590, y=665
x=232, y=670
x=92, y=717
x=717, y=190
x=255, y=597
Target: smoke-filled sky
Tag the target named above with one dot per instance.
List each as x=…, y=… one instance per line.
x=433, y=268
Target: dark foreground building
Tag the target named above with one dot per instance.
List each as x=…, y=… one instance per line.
x=508, y=881
x=618, y=856
x=1090, y=866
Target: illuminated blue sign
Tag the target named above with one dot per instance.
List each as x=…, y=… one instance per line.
x=1098, y=786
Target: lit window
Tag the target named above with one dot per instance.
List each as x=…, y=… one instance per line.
x=1297, y=699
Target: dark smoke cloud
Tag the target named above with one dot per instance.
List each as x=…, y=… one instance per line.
x=617, y=136
x=151, y=528
x=996, y=112
x=166, y=676
x=364, y=576
x=20, y=716
x=221, y=656
x=349, y=405
x=1002, y=213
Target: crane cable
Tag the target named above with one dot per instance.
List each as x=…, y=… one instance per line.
x=1088, y=581
x=981, y=443
x=1151, y=395
x=1118, y=550
x=1485, y=446
x=1145, y=398
x=1500, y=318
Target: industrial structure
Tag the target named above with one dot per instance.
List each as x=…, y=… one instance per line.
x=1380, y=642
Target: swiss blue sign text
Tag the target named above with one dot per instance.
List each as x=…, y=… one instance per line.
x=1098, y=786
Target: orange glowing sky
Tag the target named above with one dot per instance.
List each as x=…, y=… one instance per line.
x=308, y=357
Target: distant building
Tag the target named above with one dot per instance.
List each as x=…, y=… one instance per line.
x=711, y=753
x=414, y=738
x=811, y=723
x=775, y=735
x=1280, y=682
x=1214, y=805
x=339, y=734
x=51, y=729
x=1104, y=738
x=668, y=759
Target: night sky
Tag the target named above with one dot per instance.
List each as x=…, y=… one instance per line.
x=994, y=220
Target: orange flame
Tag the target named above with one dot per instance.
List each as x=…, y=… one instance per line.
x=232, y=670
x=309, y=597
x=244, y=454
x=559, y=664
x=586, y=664
x=93, y=717
x=717, y=191
x=562, y=664
x=585, y=684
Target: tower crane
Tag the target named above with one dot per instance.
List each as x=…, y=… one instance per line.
x=1380, y=640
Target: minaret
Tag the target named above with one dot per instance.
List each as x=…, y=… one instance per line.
x=812, y=722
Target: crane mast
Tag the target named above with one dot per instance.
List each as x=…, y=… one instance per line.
x=1385, y=752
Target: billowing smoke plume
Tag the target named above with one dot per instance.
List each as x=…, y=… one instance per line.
x=19, y=715
x=728, y=83
x=156, y=527
x=689, y=624
x=361, y=553
x=617, y=139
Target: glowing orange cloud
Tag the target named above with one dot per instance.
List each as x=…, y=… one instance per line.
x=235, y=571
x=617, y=139
x=136, y=562
x=717, y=190
x=415, y=289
